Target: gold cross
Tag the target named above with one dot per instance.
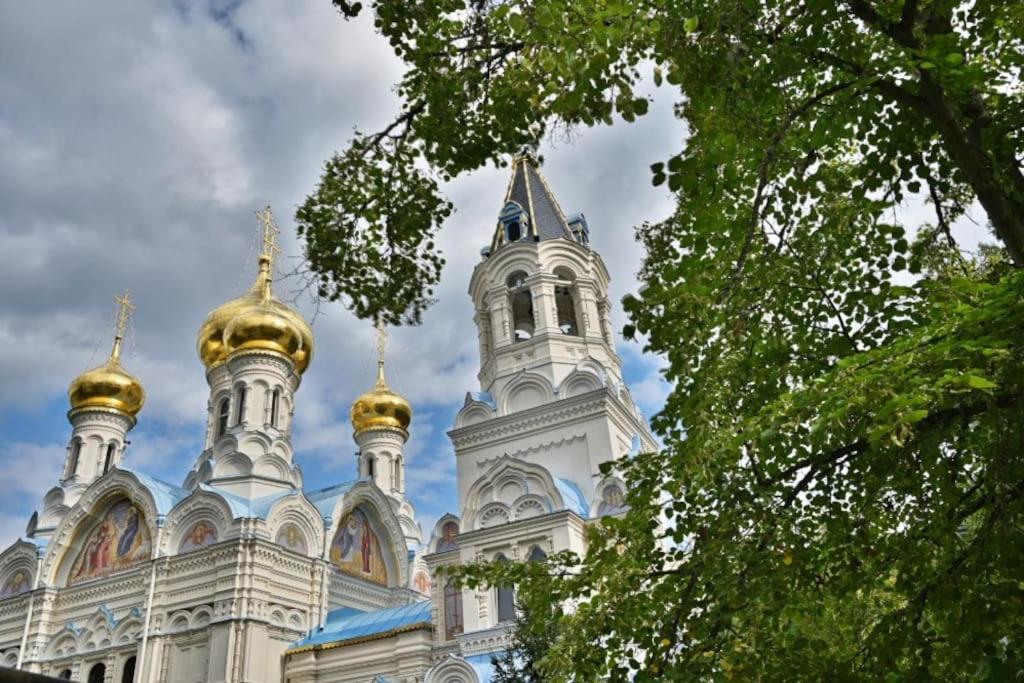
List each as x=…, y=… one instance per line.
x=382, y=340
x=124, y=310
x=382, y=344
x=270, y=233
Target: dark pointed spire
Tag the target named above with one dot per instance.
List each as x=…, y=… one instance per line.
x=530, y=208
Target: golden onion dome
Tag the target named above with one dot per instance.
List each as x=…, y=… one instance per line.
x=380, y=407
x=109, y=385
x=257, y=320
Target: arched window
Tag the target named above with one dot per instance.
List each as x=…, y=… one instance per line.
x=65, y=674
x=370, y=466
x=97, y=673
x=452, y=610
x=565, y=302
x=240, y=415
x=537, y=555
x=76, y=450
x=521, y=302
x=506, y=598
x=222, y=416
x=275, y=403
x=108, y=461
x=397, y=482
x=128, y=673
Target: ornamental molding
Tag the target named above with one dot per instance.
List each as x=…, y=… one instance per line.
x=522, y=453
x=557, y=412
x=240, y=361
x=82, y=417
x=482, y=642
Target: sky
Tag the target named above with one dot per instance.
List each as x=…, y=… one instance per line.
x=138, y=138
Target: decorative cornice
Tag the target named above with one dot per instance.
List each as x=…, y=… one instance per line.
x=523, y=452
x=555, y=412
x=112, y=416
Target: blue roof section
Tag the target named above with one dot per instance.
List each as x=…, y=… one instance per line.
x=327, y=498
x=244, y=507
x=483, y=397
x=482, y=665
x=347, y=626
x=573, y=497
x=166, y=495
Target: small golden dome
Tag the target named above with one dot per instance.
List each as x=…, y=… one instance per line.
x=110, y=385
x=257, y=320
x=380, y=407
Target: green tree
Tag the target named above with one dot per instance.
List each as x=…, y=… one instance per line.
x=533, y=631
x=841, y=493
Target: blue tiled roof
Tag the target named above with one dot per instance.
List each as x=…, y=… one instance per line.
x=573, y=497
x=165, y=495
x=482, y=665
x=483, y=397
x=325, y=499
x=249, y=508
x=348, y=626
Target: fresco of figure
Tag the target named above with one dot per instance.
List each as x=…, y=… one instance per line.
x=356, y=549
x=448, y=533
x=613, y=500
x=199, y=536
x=120, y=540
x=15, y=585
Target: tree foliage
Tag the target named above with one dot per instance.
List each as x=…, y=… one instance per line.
x=842, y=487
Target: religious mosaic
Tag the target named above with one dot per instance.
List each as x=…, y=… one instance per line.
x=119, y=541
x=290, y=537
x=199, y=536
x=421, y=582
x=613, y=500
x=448, y=533
x=15, y=584
x=356, y=549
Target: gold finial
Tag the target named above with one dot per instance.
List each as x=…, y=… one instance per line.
x=382, y=345
x=270, y=248
x=124, y=311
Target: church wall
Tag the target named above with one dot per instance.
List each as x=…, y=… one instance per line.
x=552, y=533
x=569, y=437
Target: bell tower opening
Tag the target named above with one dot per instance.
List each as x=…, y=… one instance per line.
x=521, y=302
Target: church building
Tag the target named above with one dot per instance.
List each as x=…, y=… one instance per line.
x=243, y=572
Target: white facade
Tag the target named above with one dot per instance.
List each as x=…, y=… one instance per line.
x=242, y=574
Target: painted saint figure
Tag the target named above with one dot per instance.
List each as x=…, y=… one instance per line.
x=356, y=549
x=199, y=536
x=17, y=584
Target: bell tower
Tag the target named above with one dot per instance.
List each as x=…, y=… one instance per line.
x=541, y=292
x=551, y=386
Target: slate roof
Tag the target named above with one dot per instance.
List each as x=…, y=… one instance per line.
x=343, y=625
x=528, y=189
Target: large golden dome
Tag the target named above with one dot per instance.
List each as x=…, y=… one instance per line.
x=380, y=407
x=257, y=320
x=109, y=385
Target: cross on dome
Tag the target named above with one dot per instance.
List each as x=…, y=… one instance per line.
x=124, y=312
